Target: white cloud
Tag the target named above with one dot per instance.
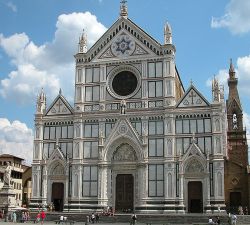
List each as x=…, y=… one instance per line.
x=50, y=65
x=11, y=6
x=236, y=17
x=16, y=139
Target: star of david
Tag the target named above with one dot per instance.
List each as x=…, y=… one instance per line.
x=123, y=45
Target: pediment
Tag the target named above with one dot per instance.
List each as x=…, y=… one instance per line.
x=193, y=151
x=57, y=155
x=192, y=98
x=122, y=40
x=59, y=106
x=123, y=128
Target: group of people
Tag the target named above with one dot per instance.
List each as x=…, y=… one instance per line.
x=40, y=216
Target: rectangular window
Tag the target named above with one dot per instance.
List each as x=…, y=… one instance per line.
x=155, y=180
x=108, y=128
x=186, y=143
x=201, y=143
x=78, y=93
x=52, y=133
x=90, y=149
x=185, y=126
x=92, y=93
x=91, y=130
x=92, y=75
x=155, y=69
x=193, y=128
x=70, y=132
x=155, y=147
x=155, y=89
x=46, y=133
x=137, y=126
x=178, y=126
x=200, y=126
x=64, y=132
x=207, y=123
x=79, y=75
x=90, y=179
x=156, y=127
x=58, y=132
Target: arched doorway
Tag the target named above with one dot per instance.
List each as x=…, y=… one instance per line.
x=195, y=200
x=57, y=196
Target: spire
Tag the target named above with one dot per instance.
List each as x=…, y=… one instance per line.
x=231, y=70
x=83, y=43
x=216, y=90
x=123, y=9
x=167, y=34
x=41, y=103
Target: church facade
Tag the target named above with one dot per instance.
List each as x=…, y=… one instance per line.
x=135, y=139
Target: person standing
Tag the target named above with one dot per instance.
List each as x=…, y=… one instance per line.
x=234, y=219
x=38, y=216
x=14, y=217
x=43, y=215
x=133, y=218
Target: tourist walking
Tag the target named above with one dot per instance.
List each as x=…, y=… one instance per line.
x=133, y=218
x=38, y=216
x=234, y=219
x=43, y=215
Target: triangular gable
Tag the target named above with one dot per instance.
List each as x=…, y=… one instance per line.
x=123, y=45
x=57, y=155
x=234, y=105
x=102, y=48
x=59, y=106
x=123, y=128
x=193, y=150
x=192, y=98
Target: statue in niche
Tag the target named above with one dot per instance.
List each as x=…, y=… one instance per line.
x=124, y=153
x=123, y=106
x=235, y=126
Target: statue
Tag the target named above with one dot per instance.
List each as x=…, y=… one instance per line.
x=7, y=174
x=235, y=127
x=123, y=106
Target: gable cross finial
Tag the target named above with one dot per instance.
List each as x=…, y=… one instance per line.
x=123, y=8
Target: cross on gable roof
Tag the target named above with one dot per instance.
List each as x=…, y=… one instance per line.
x=192, y=98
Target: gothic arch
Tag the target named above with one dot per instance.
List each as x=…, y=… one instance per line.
x=112, y=147
x=57, y=168
x=194, y=165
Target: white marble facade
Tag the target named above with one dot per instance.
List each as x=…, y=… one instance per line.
x=134, y=139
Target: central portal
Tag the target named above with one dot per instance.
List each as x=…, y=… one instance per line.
x=195, y=202
x=124, y=200
x=57, y=196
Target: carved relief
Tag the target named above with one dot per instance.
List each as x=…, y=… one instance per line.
x=194, y=166
x=124, y=153
x=58, y=169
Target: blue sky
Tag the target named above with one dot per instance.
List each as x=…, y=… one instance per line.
x=39, y=38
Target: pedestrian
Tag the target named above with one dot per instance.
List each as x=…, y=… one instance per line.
x=133, y=218
x=97, y=218
x=61, y=219
x=38, y=216
x=43, y=215
x=234, y=219
x=210, y=220
x=218, y=220
x=92, y=218
x=246, y=210
x=14, y=217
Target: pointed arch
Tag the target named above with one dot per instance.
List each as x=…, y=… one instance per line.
x=169, y=147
